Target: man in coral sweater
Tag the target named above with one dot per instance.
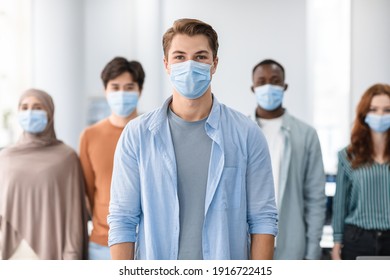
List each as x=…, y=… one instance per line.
x=123, y=81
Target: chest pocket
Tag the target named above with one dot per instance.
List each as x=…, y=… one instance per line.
x=228, y=193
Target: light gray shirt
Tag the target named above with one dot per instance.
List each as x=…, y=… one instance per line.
x=192, y=150
x=301, y=199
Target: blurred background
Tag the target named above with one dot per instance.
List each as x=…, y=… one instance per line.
x=332, y=51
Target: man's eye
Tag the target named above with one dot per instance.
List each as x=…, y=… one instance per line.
x=201, y=57
x=260, y=83
x=179, y=57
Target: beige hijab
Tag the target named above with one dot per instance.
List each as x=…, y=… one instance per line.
x=48, y=136
x=42, y=194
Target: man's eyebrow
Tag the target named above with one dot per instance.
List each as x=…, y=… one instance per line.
x=178, y=52
x=202, y=51
x=117, y=83
x=198, y=52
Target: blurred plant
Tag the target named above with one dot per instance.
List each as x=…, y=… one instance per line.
x=6, y=119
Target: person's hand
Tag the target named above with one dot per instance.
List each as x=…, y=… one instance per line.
x=336, y=252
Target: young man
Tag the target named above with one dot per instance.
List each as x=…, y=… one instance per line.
x=297, y=167
x=192, y=179
x=123, y=81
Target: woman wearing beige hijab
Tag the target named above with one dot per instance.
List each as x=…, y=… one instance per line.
x=42, y=209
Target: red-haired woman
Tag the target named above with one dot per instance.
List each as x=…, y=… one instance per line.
x=361, y=210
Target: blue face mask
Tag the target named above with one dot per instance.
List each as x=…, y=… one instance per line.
x=122, y=103
x=269, y=97
x=190, y=78
x=33, y=121
x=378, y=123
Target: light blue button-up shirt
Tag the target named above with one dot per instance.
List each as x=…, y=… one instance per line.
x=240, y=201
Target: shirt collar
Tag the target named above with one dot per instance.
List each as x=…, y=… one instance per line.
x=285, y=119
x=162, y=114
x=215, y=115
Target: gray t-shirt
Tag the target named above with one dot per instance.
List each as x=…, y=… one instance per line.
x=192, y=150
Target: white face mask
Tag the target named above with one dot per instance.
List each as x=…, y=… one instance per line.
x=122, y=103
x=378, y=123
x=190, y=78
x=33, y=121
x=269, y=97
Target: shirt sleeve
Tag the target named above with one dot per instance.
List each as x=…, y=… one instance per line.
x=88, y=172
x=314, y=198
x=125, y=203
x=261, y=207
x=339, y=201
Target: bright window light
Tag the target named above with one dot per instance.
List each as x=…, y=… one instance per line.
x=329, y=60
x=14, y=63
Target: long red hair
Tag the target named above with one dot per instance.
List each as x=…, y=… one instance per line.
x=361, y=150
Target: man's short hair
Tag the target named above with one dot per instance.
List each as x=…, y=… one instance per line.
x=269, y=62
x=191, y=27
x=120, y=65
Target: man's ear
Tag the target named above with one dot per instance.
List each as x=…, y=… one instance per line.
x=166, y=65
x=252, y=89
x=215, y=64
x=285, y=87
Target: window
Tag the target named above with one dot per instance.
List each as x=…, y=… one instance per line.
x=329, y=56
x=329, y=63
x=15, y=63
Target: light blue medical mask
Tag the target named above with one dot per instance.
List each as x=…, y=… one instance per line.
x=33, y=121
x=378, y=123
x=269, y=97
x=122, y=103
x=190, y=78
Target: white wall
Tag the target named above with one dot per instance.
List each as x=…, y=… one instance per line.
x=370, y=47
x=131, y=29
x=148, y=40
x=15, y=63
x=109, y=32
x=57, y=61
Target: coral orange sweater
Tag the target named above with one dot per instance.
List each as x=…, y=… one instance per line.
x=97, y=148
